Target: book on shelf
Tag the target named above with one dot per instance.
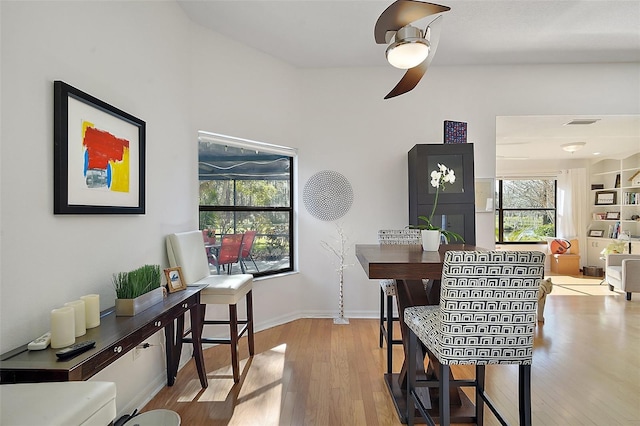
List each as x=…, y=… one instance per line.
x=614, y=230
x=631, y=198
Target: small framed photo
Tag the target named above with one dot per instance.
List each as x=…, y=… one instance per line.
x=596, y=233
x=604, y=198
x=617, y=184
x=175, y=282
x=613, y=216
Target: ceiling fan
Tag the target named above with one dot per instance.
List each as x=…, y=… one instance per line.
x=410, y=48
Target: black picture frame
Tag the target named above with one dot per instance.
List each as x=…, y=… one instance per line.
x=596, y=233
x=606, y=198
x=613, y=216
x=617, y=183
x=112, y=180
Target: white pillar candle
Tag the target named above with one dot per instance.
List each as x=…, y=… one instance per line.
x=63, y=328
x=92, y=310
x=80, y=315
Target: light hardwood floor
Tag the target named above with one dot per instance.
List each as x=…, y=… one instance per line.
x=586, y=371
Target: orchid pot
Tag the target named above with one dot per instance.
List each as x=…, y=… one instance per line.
x=430, y=239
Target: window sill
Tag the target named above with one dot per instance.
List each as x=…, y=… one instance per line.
x=269, y=277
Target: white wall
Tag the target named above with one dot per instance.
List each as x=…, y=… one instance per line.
x=247, y=94
x=146, y=58
x=132, y=55
x=348, y=127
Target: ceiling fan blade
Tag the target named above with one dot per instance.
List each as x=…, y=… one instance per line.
x=410, y=79
x=401, y=13
x=433, y=36
x=413, y=75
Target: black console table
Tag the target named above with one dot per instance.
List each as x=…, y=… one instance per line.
x=114, y=337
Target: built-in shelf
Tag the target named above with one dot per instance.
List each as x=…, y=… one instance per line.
x=613, y=176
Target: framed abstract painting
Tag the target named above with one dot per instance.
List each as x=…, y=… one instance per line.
x=99, y=156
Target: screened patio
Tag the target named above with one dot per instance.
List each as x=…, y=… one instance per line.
x=247, y=187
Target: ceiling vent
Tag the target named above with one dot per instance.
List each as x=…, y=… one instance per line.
x=580, y=121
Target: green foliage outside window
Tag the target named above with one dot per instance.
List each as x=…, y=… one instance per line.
x=247, y=187
x=526, y=210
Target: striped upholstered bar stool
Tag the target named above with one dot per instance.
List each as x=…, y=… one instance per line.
x=388, y=289
x=486, y=315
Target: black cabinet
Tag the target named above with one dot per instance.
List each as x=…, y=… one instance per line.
x=455, y=210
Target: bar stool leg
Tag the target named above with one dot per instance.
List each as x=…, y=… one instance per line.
x=411, y=379
x=480, y=374
x=233, y=323
x=524, y=394
x=250, y=340
x=445, y=406
x=390, y=334
x=381, y=315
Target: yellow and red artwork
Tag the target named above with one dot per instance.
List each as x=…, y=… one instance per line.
x=106, y=159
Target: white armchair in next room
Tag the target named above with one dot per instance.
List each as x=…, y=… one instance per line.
x=623, y=272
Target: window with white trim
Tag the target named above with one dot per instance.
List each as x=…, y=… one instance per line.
x=247, y=186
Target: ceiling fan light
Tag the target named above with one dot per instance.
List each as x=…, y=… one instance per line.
x=407, y=54
x=409, y=50
x=573, y=146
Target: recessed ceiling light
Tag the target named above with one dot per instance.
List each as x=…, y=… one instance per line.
x=573, y=147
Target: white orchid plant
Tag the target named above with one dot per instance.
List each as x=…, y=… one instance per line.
x=439, y=178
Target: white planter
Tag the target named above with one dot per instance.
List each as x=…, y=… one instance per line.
x=430, y=240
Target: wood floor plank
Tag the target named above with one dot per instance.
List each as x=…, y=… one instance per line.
x=586, y=371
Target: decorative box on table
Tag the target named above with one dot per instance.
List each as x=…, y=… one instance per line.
x=593, y=271
x=455, y=132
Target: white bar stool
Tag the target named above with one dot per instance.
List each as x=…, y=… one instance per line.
x=186, y=250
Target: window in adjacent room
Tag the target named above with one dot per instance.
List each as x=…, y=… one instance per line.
x=247, y=186
x=526, y=210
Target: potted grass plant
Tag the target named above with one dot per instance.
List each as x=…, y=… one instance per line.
x=137, y=290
